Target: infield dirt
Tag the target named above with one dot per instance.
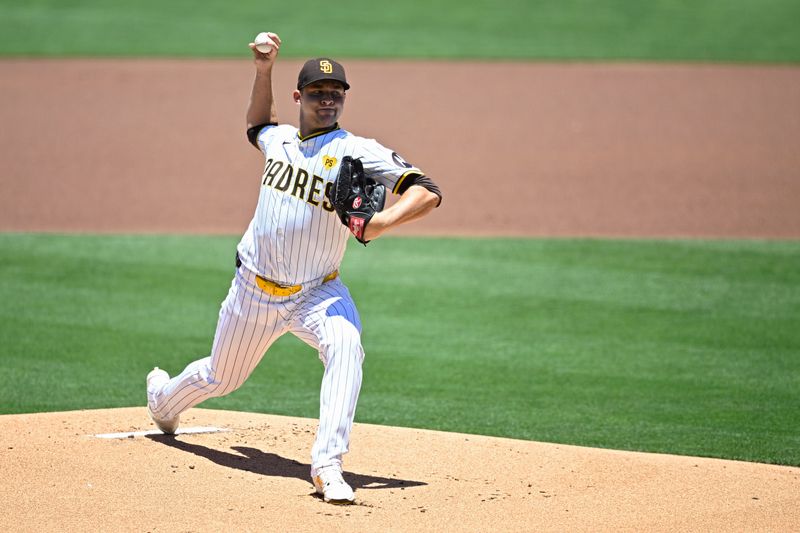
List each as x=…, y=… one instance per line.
x=519, y=149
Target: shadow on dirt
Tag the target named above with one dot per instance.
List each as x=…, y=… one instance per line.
x=270, y=464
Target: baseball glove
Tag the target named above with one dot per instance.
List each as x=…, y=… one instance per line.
x=355, y=197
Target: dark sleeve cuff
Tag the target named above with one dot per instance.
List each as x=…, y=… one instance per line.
x=252, y=133
x=414, y=178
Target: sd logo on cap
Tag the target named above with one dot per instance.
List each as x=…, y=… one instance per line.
x=321, y=68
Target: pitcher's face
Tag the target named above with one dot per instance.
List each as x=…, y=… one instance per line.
x=321, y=104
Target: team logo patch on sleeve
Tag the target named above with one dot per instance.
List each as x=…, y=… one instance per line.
x=328, y=162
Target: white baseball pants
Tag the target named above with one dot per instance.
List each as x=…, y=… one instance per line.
x=323, y=315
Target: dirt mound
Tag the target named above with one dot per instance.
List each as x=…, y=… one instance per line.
x=58, y=476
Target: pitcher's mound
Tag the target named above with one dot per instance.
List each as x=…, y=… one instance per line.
x=234, y=471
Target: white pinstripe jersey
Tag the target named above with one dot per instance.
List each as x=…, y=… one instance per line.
x=295, y=236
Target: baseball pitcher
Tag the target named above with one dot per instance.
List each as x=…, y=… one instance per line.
x=320, y=185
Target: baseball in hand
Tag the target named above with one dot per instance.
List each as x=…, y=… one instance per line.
x=262, y=42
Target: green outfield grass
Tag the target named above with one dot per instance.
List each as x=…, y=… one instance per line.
x=688, y=347
x=694, y=30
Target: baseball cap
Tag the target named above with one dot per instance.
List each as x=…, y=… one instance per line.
x=321, y=68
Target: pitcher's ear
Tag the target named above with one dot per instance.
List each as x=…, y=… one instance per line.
x=296, y=96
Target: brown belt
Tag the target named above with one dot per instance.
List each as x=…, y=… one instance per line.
x=275, y=289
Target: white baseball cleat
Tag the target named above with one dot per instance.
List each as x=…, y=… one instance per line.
x=333, y=488
x=155, y=380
